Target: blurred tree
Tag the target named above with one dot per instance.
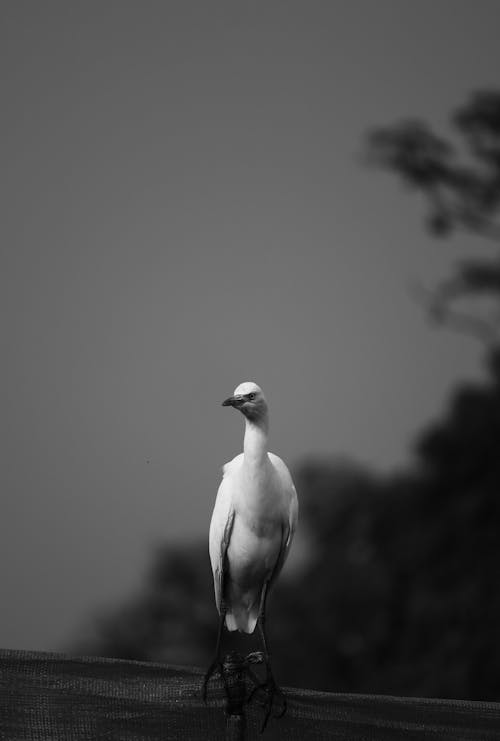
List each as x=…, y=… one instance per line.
x=462, y=193
x=398, y=593
x=171, y=619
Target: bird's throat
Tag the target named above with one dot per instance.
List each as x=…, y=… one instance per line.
x=255, y=441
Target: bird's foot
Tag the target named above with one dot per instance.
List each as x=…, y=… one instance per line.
x=231, y=669
x=216, y=667
x=256, y=657
x=269, y=696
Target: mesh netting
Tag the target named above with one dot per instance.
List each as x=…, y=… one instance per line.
x=60, y=698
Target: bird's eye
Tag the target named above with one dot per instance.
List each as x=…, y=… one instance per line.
x=251, y=396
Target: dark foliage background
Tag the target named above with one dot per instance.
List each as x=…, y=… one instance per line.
x=395, y=588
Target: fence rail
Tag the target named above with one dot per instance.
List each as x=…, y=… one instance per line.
x=54, y=697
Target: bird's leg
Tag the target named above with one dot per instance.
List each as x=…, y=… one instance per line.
x=262, y=630
x=217, y=664
x=269, y=686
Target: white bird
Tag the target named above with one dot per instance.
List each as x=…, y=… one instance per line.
x=252, y=525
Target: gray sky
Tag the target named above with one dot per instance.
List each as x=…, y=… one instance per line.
x=184, y=207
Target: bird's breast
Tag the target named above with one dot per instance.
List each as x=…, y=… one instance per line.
x=253, y=550
x=260, y=507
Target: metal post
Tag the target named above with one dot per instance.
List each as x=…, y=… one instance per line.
x=234, y=679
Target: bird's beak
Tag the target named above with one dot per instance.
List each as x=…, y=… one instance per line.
x=233, y=401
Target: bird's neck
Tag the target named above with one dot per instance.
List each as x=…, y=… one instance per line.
x=255, y=441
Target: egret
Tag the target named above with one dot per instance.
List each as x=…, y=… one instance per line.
x=251, y=530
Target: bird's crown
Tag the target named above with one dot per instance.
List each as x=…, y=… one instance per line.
x=247, y=387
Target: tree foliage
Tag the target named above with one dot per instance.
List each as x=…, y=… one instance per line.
x=461, y=187
x=398, y=590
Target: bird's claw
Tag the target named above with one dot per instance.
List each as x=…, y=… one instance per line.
x=256, y=657
x=267, y=694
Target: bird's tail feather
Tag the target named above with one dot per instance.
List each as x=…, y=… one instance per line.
x=242, y=619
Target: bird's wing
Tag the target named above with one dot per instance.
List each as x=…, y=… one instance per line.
x=221, y=526
x=290, y=524
x=287, y=533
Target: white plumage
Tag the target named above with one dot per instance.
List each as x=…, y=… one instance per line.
x=254, y=518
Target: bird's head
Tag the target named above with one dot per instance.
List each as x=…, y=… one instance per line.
x=250, y=401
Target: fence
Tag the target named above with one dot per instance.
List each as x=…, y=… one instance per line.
x=53, y=697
